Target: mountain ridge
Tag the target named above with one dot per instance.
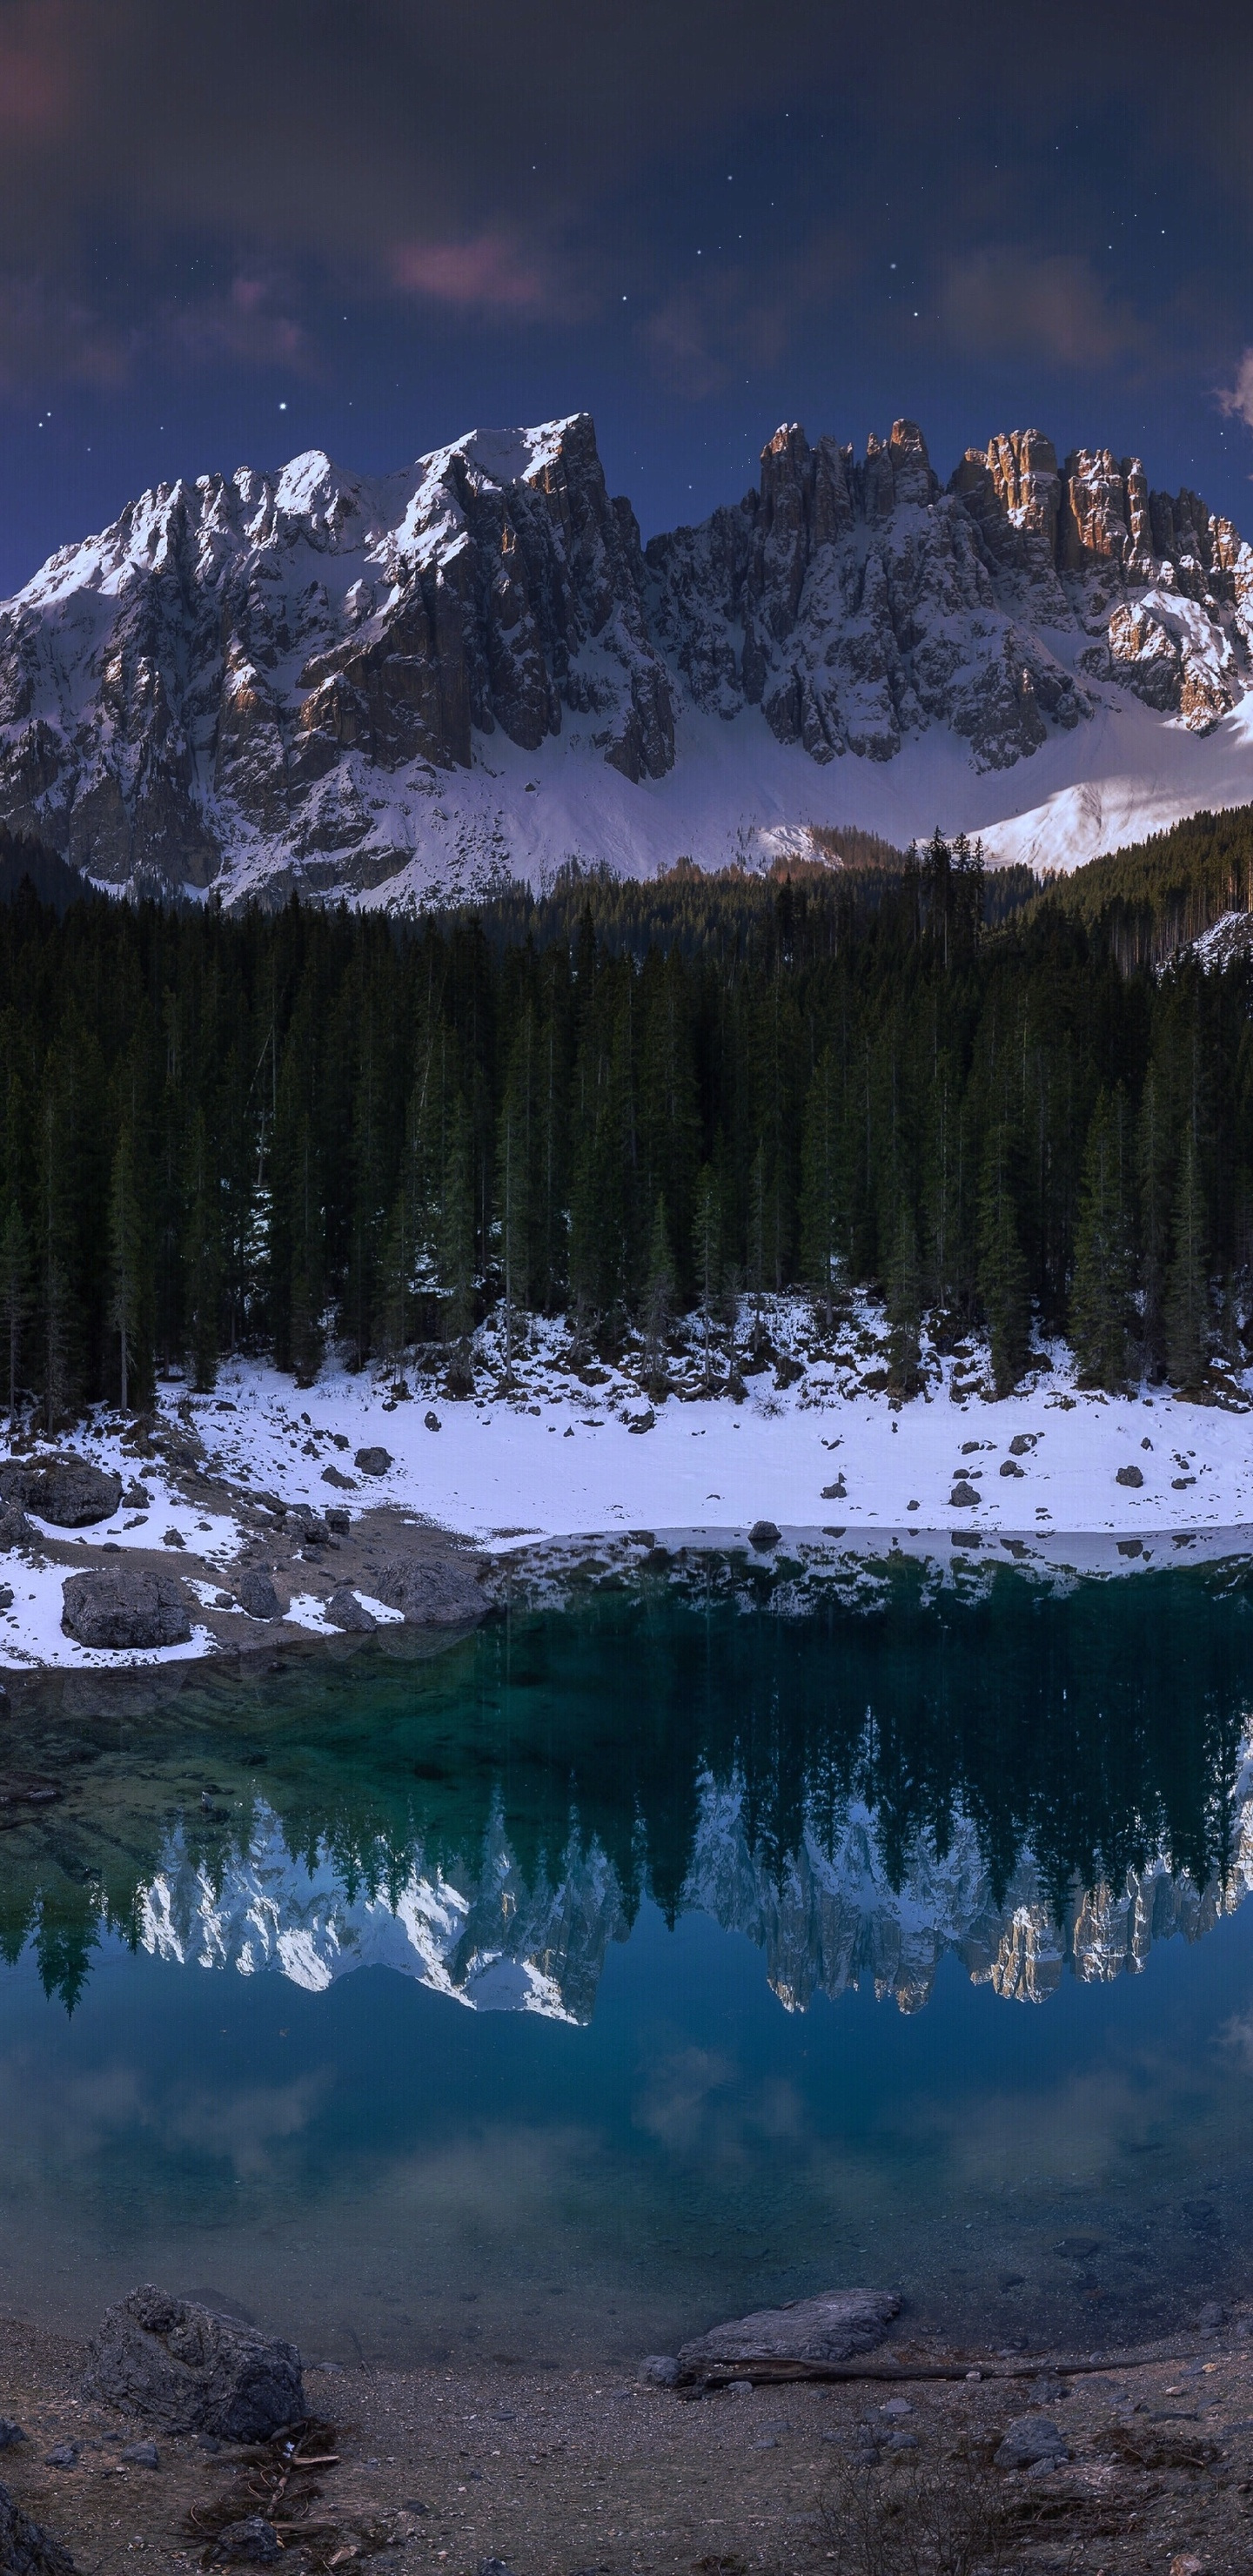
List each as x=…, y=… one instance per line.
x=472, y=668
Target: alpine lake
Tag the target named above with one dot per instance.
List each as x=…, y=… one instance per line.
x=684, y=1940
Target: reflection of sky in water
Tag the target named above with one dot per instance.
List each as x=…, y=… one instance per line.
x=612, y=1832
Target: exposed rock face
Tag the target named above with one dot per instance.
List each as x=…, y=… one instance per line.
x=856, y=602
x=291, y=677
x=26, y=2550
x=125, y=1609
x=258, y=652
x=832, y=2327
x=66, y=1490
x=185, y=2367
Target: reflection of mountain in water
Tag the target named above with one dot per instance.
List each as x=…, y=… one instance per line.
x=827, y=1919
x=861, y=1789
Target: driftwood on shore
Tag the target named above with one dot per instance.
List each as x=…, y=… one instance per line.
x=1043, y=2365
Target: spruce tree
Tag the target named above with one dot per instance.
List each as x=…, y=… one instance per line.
x=1100, y=1297
x=202, y=1257
x=904, y=1306
x=1155, y=1161
x=15, y=1292
x=456, y=1246
x=822, y=1215
x=306, y=1331
x=1188, y=1316
x=707, y=1256
x=1002, y=1267
x=125, y=1264
x=658, y=1302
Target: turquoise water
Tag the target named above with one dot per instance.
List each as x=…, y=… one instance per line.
x=644, y=1958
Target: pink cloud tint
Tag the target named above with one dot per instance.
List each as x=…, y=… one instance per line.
x=486, y=275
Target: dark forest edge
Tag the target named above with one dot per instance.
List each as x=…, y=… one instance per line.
x=628, y=1103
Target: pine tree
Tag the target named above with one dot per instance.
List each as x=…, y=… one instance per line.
x=1002, y=1267
x=1188, y=1316
x=1100, y=1297
x=15, y=1292
x=125, y=1264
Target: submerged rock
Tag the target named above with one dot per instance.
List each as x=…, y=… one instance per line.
x=25, y=2549
x=659, y=2370
x=125, y=1609
x=193, y=2371
x=832, y=2327
x=66, y=1489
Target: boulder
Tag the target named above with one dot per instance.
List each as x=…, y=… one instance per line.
x=125, y=1609
x=335, y=1476
x=10, y=2432
x=182, y=2366
x=438, y=1594
x=1129, y=1476
x=1030, y=2440
x=763, y=1535
x=256, y=1594
x=373, y=1462
x=833, y=2327
x=345, y=1611
x=64, y=1489
x=659, y=2370
x=26, y=2550
x=15, y=1529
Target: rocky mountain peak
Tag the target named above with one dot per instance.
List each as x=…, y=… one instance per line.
x=289, y=672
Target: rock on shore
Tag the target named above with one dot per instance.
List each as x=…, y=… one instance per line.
x=832, y=2327
x=181, y=2365
x=25, y=2549
x=125, y=1609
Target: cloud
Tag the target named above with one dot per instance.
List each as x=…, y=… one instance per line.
x=487, y=275
x=1237, y=399
x=1007, y=300
x=250, y=325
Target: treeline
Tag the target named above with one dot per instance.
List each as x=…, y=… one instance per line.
x=290, y=1130
x=1151, y=899
x=800, y=909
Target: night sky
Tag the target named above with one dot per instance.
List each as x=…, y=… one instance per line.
x=230, y=232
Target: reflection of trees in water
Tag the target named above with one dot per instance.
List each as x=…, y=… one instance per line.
x=1099, y=1729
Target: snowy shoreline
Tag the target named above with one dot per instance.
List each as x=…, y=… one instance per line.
x=547, y=1460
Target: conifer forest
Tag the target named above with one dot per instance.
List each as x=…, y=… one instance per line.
x=995, y=1105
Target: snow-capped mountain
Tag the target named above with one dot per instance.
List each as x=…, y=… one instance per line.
x=472, y=667
x=827, y=1920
